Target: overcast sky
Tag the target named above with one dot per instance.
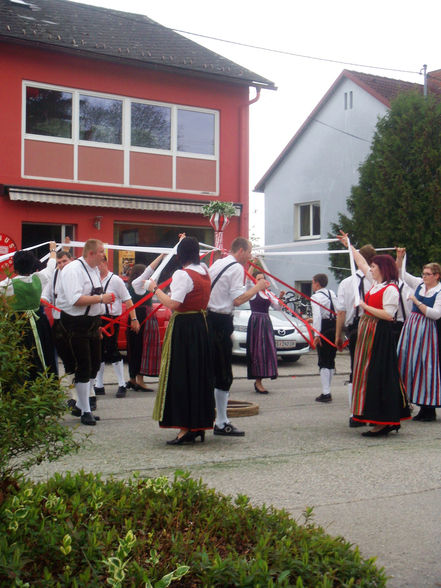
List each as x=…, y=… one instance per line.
x=396, y=34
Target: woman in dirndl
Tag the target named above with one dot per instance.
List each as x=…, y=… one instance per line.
x=24, y=291
x=185, y=398
x=149, y=343
x=419, y=347
x=261, y=344
x=378, y=393
x=144, y=346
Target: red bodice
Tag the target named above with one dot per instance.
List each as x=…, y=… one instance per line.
x=376, y=299
x=198, y=298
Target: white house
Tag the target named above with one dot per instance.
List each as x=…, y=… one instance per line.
x=309, y=182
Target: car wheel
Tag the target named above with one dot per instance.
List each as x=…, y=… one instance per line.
x=291, y=358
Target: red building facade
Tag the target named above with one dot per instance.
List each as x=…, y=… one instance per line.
x=111, y=147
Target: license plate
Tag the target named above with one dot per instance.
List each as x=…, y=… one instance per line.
x=285, y=344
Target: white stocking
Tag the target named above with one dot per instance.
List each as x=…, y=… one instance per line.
x=99, y=382
x=82, y=389
x=221, y=399
x=119, y=371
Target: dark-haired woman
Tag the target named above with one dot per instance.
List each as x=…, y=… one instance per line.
x=378, y=393
x=145, y=342
x=261, y=344
x=419, y=346
x=150, y=348
x=25, y=290
x=185, y=398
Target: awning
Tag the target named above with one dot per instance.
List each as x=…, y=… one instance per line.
x=108, y=201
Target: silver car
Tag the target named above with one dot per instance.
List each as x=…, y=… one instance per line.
x=290, y=344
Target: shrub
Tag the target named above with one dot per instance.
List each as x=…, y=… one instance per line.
x=77, y=530
x=31, y=407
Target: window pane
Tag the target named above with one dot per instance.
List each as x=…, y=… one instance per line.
x=305, y=220
x=195, y=132
x=100, y=119
x=150, y=126
x=316, y=219
x=48, y=112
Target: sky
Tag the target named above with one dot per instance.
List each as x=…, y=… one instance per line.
x=394, y=34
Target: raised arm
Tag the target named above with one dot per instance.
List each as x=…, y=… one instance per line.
x=362, y=264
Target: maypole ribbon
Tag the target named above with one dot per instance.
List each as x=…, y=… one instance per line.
x=308, y=325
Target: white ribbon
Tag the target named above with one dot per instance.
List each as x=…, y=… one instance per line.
x=354, y=276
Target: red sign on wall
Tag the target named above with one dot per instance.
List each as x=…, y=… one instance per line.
x=7, y=245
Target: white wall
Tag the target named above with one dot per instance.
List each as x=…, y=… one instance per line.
x=322, y=166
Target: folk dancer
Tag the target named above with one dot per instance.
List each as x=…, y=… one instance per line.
x=323, y=321
x=111, y=283
x=227, y=291
x=348, y=315
x=81, y=301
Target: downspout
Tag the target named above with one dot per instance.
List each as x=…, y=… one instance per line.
x=244, y=164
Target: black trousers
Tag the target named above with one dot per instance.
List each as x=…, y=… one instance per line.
x=109, y=345
x=326, y=352
x=63, y=347
x=352, y=336
x=83, y=335
x=220, y=330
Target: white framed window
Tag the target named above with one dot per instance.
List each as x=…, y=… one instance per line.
x=307, y=220
x=82, y=118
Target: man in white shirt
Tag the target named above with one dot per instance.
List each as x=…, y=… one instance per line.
x=348, y=315
x=81, y=301
x=227, y=291
x=109, y=344
x=323, y=321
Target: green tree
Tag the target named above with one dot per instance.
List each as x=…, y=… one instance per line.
x=397, y=201
x=31, y=409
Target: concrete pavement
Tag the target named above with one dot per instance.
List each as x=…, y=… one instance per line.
x=383, y=495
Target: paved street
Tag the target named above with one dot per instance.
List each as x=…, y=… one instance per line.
x=382, y=494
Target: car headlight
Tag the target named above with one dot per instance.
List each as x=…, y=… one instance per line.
x=240, y=328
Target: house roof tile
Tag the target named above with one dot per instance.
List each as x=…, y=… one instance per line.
x=120, y=36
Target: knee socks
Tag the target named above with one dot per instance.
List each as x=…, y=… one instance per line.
x=82, y=390
x=326, y=378
x=99, y=382
x=119, y=371
x=221, y=399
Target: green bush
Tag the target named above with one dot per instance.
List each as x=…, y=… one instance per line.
x=31, y=407
x=78, y=530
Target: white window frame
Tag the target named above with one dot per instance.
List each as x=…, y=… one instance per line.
x=125, y=137
x=311, y=235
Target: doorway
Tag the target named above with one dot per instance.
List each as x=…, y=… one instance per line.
x=34, y=233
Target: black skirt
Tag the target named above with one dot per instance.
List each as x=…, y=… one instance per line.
x=189, y=398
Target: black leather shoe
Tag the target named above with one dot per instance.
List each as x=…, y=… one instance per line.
x=92, y=402
x=353, y=423
x=260, y=391
x=324, y=398
x=87, y=418
x=130, y=384
x=228, y=430
x=121, y=392
x=99, y=391
x=75, y=411
x=187, y=437
x=382, y=432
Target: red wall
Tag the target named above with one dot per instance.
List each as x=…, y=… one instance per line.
x=19, y=63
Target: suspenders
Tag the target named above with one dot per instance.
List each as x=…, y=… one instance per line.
x=213, y=283
x=105, y=290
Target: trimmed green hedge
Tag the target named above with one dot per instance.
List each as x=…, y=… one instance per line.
x=78, y=530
